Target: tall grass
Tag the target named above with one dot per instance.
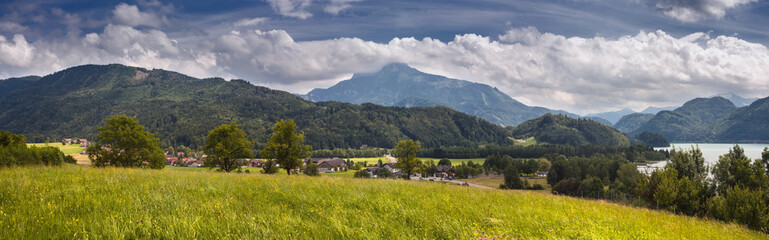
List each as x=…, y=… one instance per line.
x=82, y=202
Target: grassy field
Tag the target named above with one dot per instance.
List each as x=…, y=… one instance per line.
x=84, y=202
x=66, y=149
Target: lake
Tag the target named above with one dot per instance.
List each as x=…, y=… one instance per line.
x=711, y=151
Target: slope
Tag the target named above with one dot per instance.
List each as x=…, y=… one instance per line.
x=631, y=122
x=612, y=117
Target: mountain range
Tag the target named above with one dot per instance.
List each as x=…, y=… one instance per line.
x=400, y=85
x=714, y=119
x=182, y=109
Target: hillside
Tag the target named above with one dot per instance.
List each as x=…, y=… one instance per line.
x=559, y=129
x=746, y=124
x=59, y=203
x=631, y=122
x=693, y=122
x=11, y=84
x=401, y=85
x=738, y=100
x=182, y=109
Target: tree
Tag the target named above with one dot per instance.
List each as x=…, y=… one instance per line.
x=544, y=165
x=444, y=162
x=225, y=145
x=311, y=170
x=628, y=176
x=286, y=147
x=406, y=152
x=124, y=143
x=512, y=178
x=383, y=173
x=10, y=139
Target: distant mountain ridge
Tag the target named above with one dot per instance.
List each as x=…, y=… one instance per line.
x=695, y=121
x=182, y=109
x=400, y=85
x=612, y=117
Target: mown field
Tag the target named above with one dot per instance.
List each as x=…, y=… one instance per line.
x=83, y=202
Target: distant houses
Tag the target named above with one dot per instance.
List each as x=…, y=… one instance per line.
x=82, y=141
x=328, y=164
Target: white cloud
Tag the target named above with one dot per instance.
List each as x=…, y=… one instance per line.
x=697, y=10
x=129, y=15
x=7, y=26
x=555, y=71
x=291, y=8
x=336, y=6
x=249, y=22
x=17, y=53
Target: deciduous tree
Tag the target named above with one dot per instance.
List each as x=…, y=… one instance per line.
x=225, y=145
x=123, y=142
x=285, y=146
x=406, y=152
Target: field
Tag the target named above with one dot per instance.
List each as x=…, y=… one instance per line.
x=70, y=149
x=83, y=202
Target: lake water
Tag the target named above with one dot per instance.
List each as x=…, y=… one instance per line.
x=711, y=151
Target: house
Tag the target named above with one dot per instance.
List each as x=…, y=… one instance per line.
x=67, y=140
x=333, y=164
x=194, y=163
x=364, y=146
x=171, y=161
x=255, y=163
x=391, y=167
x=541, y=174
x=444, y=171
x=83, y=142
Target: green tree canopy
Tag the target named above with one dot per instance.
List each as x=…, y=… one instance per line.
x=225, y=145
x=124, y=143
x=406, y=151
x=286, y=147
x=10, y=139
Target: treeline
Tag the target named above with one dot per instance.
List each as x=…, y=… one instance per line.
x=738, y=190
x=635, y=153
x=348, y=153
x=14, y=152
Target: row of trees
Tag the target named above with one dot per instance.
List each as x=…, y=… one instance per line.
x=14, y=152
x=634, y=153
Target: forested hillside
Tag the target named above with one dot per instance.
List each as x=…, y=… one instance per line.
x=182, y=109
x=559, y=129
x=746, y=124
x=695, y=121
x=633, y=121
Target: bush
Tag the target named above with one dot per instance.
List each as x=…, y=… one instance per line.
x=537, y=186
x=312, y=170
x=567, y=187
x=13, y=155
x=269, y=167
x=383, y=173
x=361, y=174
x=70, y=159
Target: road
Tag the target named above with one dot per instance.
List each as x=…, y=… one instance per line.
x=391, y=158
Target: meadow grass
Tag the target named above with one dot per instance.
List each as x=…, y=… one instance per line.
x=494, y=182
x=83, y=202
x=454, y=161
x=68, y=149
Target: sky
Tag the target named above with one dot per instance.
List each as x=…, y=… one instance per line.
x=583, y=56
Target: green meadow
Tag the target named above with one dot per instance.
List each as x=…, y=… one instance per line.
x=83, y=202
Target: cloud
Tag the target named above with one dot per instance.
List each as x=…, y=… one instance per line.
x=336, y=6
x=7, y=26
x=562, y=72
x=129, y=15
x=291, y=8
x=248, y=22
x=696, y=10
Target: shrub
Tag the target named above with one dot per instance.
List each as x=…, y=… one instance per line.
x=537, y=186
x=70, y=159
x=361, y=174
x=312, y=170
